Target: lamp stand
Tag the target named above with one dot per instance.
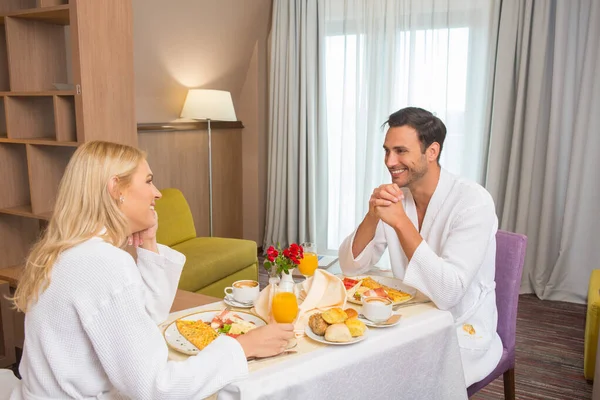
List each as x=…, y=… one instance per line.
x=210, y=185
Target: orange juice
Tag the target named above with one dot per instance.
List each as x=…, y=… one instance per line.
x=308, y=264
x=285, y=307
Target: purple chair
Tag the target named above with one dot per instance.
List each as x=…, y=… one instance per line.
x=510, y=257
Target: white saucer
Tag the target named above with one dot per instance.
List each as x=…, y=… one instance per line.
x=372, y=324
x=231, y=302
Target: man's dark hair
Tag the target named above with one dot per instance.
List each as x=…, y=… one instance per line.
x=429, y=127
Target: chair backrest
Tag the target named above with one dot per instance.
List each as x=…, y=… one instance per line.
x=8, y=381
x=176, y=224
x=510, y=257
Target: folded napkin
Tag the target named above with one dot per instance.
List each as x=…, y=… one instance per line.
x=322, y=291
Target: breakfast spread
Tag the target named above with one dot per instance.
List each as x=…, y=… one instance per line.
x=337, y=325
x=201, y=333
x=368, y=287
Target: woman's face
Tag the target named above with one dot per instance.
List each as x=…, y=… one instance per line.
x=138, y=199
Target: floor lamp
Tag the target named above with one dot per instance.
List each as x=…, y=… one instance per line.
x=209, y=105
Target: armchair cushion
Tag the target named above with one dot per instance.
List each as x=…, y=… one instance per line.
x=176, y=224
x=211, y=263
x=212, y=259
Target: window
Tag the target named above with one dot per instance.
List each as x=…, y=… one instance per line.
x=426, y=68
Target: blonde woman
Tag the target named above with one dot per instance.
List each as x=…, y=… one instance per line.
x=92, y=311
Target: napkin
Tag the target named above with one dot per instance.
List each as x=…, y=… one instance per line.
x=322, y=291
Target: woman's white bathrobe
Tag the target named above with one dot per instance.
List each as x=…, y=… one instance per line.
x=454, y=265
x=93, y=332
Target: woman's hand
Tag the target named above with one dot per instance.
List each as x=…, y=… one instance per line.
x=146, y=239
x=267, y=340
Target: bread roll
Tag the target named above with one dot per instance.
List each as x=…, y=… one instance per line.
x=356, y=327
x=351, y=313
x=338, y=333
x=317, y=324
x=335, y=316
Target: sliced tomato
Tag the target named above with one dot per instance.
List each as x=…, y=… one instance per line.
x=349, y=283
x=233, y=335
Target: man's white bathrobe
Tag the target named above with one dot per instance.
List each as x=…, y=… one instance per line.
x=454, y=265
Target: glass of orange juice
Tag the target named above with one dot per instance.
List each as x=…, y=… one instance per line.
x=284, y=306
x=310, y=262
x=285, y=309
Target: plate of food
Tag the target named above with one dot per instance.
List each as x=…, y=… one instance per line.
x=192, y=333
x=336, y=326
x=377, y=286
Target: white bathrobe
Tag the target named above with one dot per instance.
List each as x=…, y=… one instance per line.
x=93, y=332
x=454, y=265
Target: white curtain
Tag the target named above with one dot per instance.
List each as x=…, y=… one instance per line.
x=388, y=54
x=297, y=143
x=543, y=165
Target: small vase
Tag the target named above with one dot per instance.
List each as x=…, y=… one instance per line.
x=274, y=277
x=287, y=282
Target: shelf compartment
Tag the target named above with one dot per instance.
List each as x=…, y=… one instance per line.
x=8, y=6
x=46, y=167
x=38, y=93
x=14, y=179
x=51, y=3
x=2, y=120
x=25, y=211
x=38, y=54
x=17, y=234
x=64, y=119
x=30, y=117
x=4, y=77
x=58, y=15
x=41, y=142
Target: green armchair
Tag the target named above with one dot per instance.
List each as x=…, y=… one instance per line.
x=212, y=263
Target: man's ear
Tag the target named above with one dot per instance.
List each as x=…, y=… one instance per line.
x=113, y=187
x=433, y=151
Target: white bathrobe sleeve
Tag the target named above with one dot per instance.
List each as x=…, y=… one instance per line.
x=444, y=278
x=134, y=355
x=160, y=275
x=367, y=258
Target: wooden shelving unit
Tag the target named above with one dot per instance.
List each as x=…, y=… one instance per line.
x=86, y=44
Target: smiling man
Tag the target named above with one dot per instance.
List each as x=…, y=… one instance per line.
x=440, y=230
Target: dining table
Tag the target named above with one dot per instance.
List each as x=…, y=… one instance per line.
x=417, y=358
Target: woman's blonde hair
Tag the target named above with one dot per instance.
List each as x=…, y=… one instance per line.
x=84, y=207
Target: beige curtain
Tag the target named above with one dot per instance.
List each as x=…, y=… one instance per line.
x=543, y=161
x=296, y=152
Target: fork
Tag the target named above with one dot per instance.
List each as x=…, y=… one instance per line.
x=285, y=353
x=410, y=303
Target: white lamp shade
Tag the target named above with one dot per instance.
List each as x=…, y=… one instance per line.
x=215, y=105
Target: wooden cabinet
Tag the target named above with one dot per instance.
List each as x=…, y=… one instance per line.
x=66, y=78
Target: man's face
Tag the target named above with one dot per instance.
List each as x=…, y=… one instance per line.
x=403, y=156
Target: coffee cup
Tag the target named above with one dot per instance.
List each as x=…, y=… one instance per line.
x=376, y=309
x=245, y=291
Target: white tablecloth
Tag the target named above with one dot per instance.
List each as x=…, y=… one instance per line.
x=417, y=359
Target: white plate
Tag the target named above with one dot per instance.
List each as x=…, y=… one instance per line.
x=375, y=325
x=176, y=341
x=231, y=302
x=321, y=339
x=394, y=283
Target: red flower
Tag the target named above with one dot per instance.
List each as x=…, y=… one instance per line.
x=284, y=260
x=272, y=253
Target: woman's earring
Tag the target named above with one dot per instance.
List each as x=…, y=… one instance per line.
x=122, y=199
